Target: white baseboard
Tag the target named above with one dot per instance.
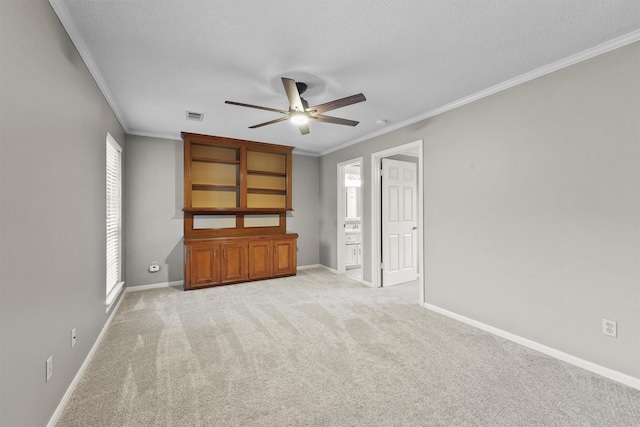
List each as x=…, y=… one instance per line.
x=155, y=286
x=74, y=383
x=364, y=282
x=329, y=269
x=581, y=363
x=308, y=267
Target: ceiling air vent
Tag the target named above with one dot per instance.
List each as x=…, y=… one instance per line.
x=195, y=116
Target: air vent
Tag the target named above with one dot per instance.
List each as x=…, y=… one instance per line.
x=195, y=116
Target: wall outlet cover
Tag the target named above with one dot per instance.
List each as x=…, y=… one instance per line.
x=49, y=367
x=610, y=328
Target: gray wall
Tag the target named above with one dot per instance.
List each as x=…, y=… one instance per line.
x=155, y=198
x=52, y=223
x=154, y=203
x=532, y=209
x=305, y=217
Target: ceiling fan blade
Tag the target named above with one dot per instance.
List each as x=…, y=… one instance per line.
x=292, y=93
x=281, y=119
x=338, y=103
x=256, y=106
x=334, y=120
x=304, y=129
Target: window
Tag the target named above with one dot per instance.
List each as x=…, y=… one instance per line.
x=114, y=220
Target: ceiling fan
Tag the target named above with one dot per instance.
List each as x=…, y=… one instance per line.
x=299, y=111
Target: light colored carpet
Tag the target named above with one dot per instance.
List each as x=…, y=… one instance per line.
x=324, y=350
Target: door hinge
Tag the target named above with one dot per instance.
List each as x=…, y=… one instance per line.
x=381, y=172
x=382, y=266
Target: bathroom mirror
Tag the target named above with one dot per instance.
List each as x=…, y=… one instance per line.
x=352, y=193
x=351, y=204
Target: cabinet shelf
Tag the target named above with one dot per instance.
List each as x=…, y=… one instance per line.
x=236, y=178
x=266, y=190
x=215, y=187
x=214, y=160
x=235, y=175
x=236, y=210
x=266, y=173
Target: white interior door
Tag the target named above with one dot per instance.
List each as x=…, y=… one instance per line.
x=399, y=222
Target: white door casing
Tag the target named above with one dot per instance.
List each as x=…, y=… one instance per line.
x=399, y=222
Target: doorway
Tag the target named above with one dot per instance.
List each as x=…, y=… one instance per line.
x=414, y=151
x=349, y=218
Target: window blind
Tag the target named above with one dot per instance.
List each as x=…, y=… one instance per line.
x=114, y=199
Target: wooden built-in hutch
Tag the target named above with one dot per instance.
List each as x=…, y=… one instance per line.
x=236, y=197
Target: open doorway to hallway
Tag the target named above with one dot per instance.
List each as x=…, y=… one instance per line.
x=349, y=218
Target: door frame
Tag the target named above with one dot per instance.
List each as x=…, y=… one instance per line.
x=341, y=208
x=376, y=214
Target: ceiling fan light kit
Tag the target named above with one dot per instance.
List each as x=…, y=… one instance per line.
x=300, y=114
x=299, y=118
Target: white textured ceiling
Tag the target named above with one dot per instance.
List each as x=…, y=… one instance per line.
x=156, y=59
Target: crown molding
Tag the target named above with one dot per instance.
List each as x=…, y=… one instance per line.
x=172, y=137
x=74, y=34
x=178, y=138
x=302, y=152
x=613, y=44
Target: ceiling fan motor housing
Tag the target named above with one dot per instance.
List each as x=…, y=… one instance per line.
x=302, y=87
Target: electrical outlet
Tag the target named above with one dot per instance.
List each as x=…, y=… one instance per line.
x=73, y=337
x=610, y=327
x=49, y=367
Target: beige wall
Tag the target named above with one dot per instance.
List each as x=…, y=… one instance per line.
x=54, y=122
x=532, y=208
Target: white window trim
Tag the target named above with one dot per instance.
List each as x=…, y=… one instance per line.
x=113, y=295
x=112, y=292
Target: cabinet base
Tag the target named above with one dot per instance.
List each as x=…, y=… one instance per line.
x=214, y=285
x=230, y=260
